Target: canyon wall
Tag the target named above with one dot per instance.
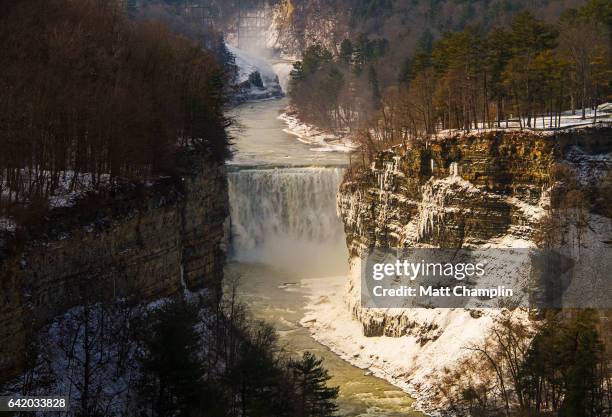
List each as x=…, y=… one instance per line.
x=150, y=240
x=465, y=190
x=380, y=202
x=488, y=189
x=296, y=25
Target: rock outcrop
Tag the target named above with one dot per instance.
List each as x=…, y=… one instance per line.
x=488, y=189
x=474, y=189
x=150, y=239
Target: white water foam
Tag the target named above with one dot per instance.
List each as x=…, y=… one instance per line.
x=286, y=217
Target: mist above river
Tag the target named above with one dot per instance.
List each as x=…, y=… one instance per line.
x=287, y=218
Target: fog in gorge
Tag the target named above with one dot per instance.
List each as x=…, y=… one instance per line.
x=282, y=193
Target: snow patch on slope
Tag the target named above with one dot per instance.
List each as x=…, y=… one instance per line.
x=248, y=63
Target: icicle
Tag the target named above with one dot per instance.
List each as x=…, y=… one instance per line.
x=396, y=163
x=454, y=169
x=431, y=208
x=183, y=283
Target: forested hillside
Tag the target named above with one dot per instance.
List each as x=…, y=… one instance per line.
x=90, y=99
x=411, y=24
x=540, y=61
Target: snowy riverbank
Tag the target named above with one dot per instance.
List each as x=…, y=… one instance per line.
x=415, y=362
x=321, y=140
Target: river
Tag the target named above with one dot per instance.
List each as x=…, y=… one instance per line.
x=285, y=229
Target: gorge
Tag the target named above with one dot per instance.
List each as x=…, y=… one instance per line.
x=202, y=205
x=488, y=189
x=284, y=229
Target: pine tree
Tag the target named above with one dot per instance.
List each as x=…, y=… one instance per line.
x=373, y=81
x=583, y=349
x=314, y=57
x=405, y=72
x=171, y=367
x=425, y=42
x=316, y=398
x=530, y=37
x=346, y=52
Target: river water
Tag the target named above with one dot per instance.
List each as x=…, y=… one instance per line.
x=285, y=229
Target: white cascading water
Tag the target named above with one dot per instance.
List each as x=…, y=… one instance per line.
x=286, y=217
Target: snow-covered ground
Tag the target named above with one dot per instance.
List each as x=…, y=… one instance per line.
x=590, y=168
x=602, y=115
x=69, y=188
x=414, y=362
x=113, y=356
x=428, y=342
x=248, y=64
x=320, y=140
x=7, y=224
x=275, y=75
x=66, y=194
x=436, y=339
x=341, y=142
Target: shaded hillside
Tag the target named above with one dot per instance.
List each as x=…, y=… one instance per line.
x=91, y=100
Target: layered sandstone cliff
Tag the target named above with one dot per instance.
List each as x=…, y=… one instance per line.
x=149, y=239
x=487, y=189
x=476, y=189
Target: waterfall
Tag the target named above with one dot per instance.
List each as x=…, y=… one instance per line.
x=287, y=217
x=283, y=71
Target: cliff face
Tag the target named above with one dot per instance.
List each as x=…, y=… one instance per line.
x=478, y=184
x=295, y=25
x=150, y=240
x=480, y=190
x=472, y=189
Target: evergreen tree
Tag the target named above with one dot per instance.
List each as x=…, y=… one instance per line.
x=314, y=57
x=498, y=46
x=562, y=368
x=255, y=79
x=374, y=86
x=316, y=398
x=583, y=350
x=172, y=382
x=346, y=51
x=297, y=73
x=425, y=42
x=530, y=37
x=405, y=72
x=258, y=377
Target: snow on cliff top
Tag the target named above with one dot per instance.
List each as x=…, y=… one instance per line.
x=542, y=124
